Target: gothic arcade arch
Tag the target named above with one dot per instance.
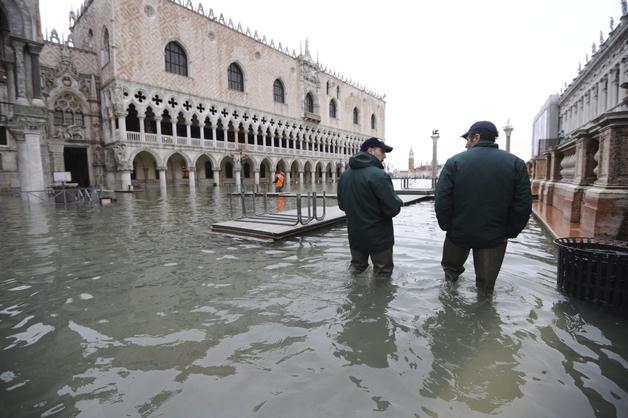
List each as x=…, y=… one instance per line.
x=145, y=167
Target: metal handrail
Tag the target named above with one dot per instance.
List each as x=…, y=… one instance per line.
x=277, y=218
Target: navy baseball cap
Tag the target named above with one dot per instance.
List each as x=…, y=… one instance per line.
x=374, y=143
x=486, y=129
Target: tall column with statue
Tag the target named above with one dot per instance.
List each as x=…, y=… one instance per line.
x=435, y=136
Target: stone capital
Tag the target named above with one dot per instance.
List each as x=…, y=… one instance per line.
x=17, y=42
x=35, y=48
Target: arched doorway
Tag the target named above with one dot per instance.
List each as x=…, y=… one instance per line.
x=227, y=171
x=177, y=172
x=204, y=170
x=144, y=169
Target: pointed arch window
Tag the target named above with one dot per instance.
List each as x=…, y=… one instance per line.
x=332, y=108
x=105, y=52
x=356, y=116
x=236, y=77
x=176, y=59
x=68, y=111
x=309, y=103
x=278, y=91
x=373, y=121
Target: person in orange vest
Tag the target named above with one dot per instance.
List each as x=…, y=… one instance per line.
x=280, y=178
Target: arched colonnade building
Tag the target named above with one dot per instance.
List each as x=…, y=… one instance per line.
x=129, y=99
x=160, y=137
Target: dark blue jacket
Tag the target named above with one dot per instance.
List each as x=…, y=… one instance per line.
x=483, y=196
x=366, y=194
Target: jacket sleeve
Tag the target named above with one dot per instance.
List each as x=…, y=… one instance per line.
x=339, y=195
x=444, y=200
x=390, y=203
x=521, y=205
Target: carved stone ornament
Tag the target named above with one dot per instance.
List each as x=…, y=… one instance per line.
x=70, y=133
x=310, y=75
x=65, y=66
x=109, y=159
x=119, y=154
x=99, y=155
x=84, y=87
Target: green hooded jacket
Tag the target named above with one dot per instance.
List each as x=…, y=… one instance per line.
x=483, y=196
x=366, y=194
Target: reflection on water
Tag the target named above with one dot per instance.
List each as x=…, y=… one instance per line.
x=367, y=332
x=137, y=309
x=474, y=362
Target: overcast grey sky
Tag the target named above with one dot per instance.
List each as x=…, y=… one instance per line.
x=441, y=64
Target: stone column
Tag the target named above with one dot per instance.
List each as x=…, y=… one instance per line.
x=112, y=129
x=110, y=180
x=324, y=181
x=594, y=104
x=142, y=128
x=581, y=161
x=122, y=126
x=188, y=132
x=301, y=178
x=333, y=175
x=192, y=177
x=35, y=73
x=271, y=184
x=20, y=72
x=31, y=172
x=603, y=95
x=216, y=175
x=612, y=94
x=435, y=137
x=214, y=134
x=508, y=130
x=554, y=169
x=256, y=175
x=162, y=179
x=125, y=179
x=202, y=128
x=173, y=122
x=238, y=179
x=158, y=122
x=313, y=176
x=287, y=180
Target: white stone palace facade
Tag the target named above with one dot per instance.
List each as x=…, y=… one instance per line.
x=580, y=173
x=162, y=92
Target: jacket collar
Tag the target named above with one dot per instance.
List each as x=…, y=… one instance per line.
x=486, y=144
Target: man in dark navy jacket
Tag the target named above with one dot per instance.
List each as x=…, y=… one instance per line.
x=482, y=198
x=366, y=194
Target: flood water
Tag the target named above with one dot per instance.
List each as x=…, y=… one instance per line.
x=136, y=309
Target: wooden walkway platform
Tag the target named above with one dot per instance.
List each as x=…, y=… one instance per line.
x=262, y=229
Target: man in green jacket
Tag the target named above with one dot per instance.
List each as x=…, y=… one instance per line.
x=366, y=194
x=482, y=198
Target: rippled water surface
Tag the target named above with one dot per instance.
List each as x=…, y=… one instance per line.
x=137, y=309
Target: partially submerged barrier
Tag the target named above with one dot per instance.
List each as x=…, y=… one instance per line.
x=249, y=212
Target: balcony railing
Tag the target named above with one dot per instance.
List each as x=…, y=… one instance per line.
x=151, y=138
